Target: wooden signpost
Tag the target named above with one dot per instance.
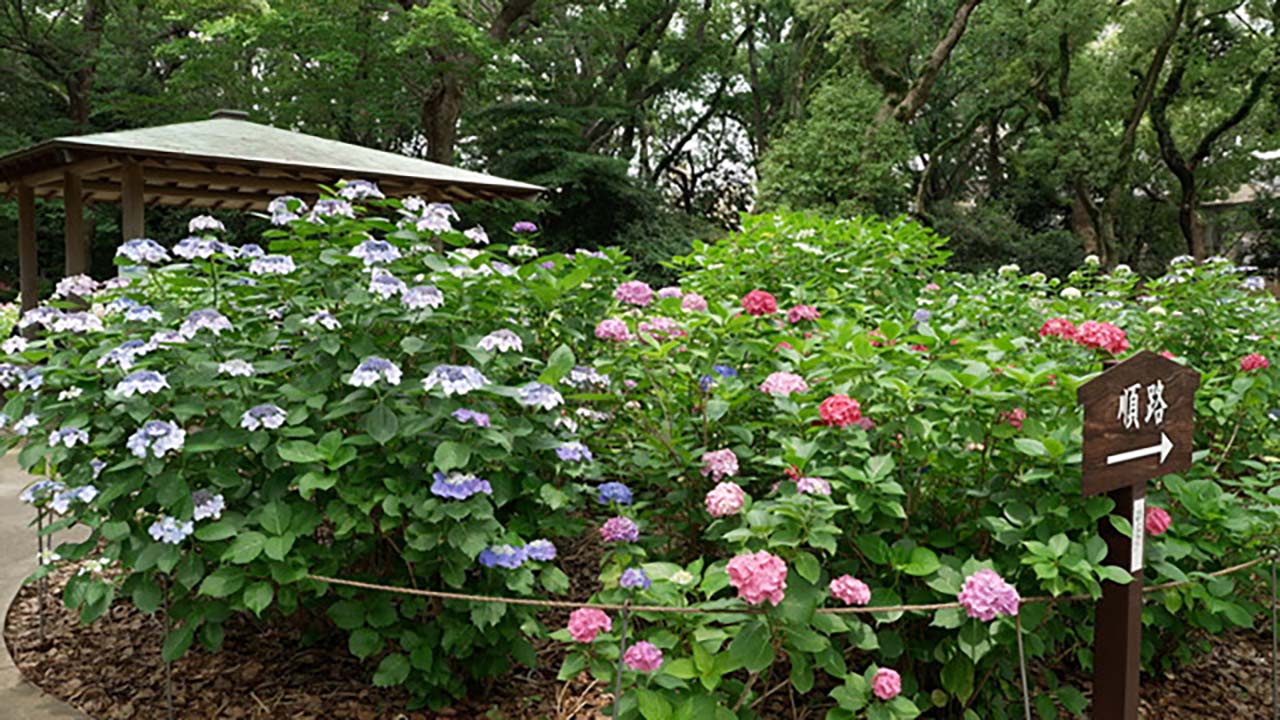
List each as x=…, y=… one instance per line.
x=1138, y=422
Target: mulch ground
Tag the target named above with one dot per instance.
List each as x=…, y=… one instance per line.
x=111, y=670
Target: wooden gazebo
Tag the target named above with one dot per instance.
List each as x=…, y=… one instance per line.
x=225, y=162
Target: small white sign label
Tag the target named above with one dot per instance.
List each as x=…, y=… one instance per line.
x=1139, y=533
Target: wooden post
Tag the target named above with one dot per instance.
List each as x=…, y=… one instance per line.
x=77, y=245
x=1117, y=629
x=132, y=224
x=28, y=272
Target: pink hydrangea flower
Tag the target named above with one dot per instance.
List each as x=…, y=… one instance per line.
x=660, y=328
x=1158, y=521
x=933, y=287
x=1015, y=417
x=613, y=329
x=693, y=302
x=1254, y=361
x=850, y=590
x=759, y=302
x=1102, y=336
x=634, y=292
x=719, y=464
x=887, y=684
x=643, y=657
x=802, y=312
x=813, y=486
x=758, y=577
x=725, y=498
x=840, y=410
x=877, y=333
x=985, y=595
x=783, y=383
x=1058, y=327
x=586, y=623
x=619, y=529
x=669, y=292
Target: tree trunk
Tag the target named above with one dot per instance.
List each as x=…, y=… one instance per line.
x=79, y=82
x=905, y=109
x=1082, y=222
x=440, y=113
x=1189, y=221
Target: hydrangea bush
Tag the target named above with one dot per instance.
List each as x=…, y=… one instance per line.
x=342, y=398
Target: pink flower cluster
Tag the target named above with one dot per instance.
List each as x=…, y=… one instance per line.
x=813, y=486
x=586, y=623
x=1015, y=417
x=758, y=577
x=643, y=657
x=840, y=410
x=850, y=590
x=634, y=292
x=802, y=312
x=613, y=329
x=619, y=529
x=759, y=302
x=719, y=464
x=1158, y=521
x=886, y=684
x=1102, y=336
x=783, y=383
x=660, y=328
x=725, y=498
x=670, y=292
x=1254, y=361
x=1058, y=327
x=985, y=595
x=693, y=302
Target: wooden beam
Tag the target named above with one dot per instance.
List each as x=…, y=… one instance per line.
x=75, y=239
x=132, y=222
x=28, y=273
x=87, y=166
x=161, y=193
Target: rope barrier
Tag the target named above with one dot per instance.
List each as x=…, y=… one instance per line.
x=676, y=610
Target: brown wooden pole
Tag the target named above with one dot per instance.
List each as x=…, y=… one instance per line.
x=28, y=272
x=1117, y=630
x=132, y=223
x=76, y=241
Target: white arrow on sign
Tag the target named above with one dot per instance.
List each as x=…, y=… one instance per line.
x=1162, y=450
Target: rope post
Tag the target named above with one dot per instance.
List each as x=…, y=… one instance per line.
x=1022, y=665
x=1275, y=648
x=622, y=649
x=40, y=561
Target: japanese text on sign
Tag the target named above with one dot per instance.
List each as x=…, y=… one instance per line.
x=1129, y=411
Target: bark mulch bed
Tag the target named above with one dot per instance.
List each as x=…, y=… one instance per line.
x=111, y=670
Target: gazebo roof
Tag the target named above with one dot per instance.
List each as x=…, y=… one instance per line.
x=230, y=162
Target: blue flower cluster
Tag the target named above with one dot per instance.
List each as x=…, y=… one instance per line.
x=454, y=379
x=574, y=452
x=613, y=492
x=459, y=486
x=512, y=557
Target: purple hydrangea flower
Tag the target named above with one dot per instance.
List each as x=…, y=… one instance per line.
x=375, y=252
x=202, y=247
x=142, y=313
x=31, y=379
x=75, y=285
x=42, y=316
x=69, y=437
x=97, y=466
x=325, y=319
x=724, y=371
x=574, y=452
x=986, y=595
x=634, y=578
x=670, y=292
x=921, y=315
x=205, y=223
x=619, y=529
x=583, y=376
x=209, y=319
x=372, y=369
x=41, y=490
x=272, y=265
x=77, y=322
x=331, y=207
x=251, y=251
x=285, y=209
x=143, y=251
x=614, y=492
x=208, y=506
x=235, y=368
x=421, y=297
x=164, y=337
x=262, y=416
x=61, y=502
x=502, y=341
x=463, y=415
x=26, y=424
x=541, y=550
x=171, y=530
x=458, y=486
x=813, y=486
x=524, y=226
x=142, y=382
x=454, y=379
x=359, y=190
x=477, y=235
x=537, y=394
x=384, y=284
x=158, y=436
x=503, y=556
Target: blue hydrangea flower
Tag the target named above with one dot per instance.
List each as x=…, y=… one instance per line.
x=11, y=374
x=69, y=437
x=158, y=436
x=501, y=341
x=98, y=466
x=251, y=251
x=537, y=394
x=463, y=415
x=724, y=371
x=454, y=379
x=705, y=383
x=143, y=251
x=171, y=530
x=204, y=248
x=1254, y=283
x=61, y=502
x=574, y=452
x=26, y=424
x=42, y=316
x=208, y=319
x=324, y=319
x=614, y=492
x=285, y=209
x=375, y=252
x=121, y=304
x=142, y=382
x=14, y=345
x=372, y=369
x=541, y=550
x=583, y=376
x=142, y=313
x=272, y=265
x=331, y=207
x=921, y=315
x=503, y=556
x=359, y=190
x=262, y=416
x=125, y=354
x=31, y=379
x=41, y=490
x=431, y=217
x=235, y=368
x=421, y=297
x=634, y=578
x=205, y=223
x=208, y=505
x=459, y=486
x=384, y=284
x=77, y=322
x=477, y=235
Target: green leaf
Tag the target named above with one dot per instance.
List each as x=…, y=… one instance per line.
x=559, y=364
x=223, y=582
x=299, y=451
x=381, y=423
x=923, y=562
x=807, y=566
x=258, y=596
x=393, y=670
x=219, y=530
x=246, y=547
x=452, y=455
x=653, y=706
x=752, y=648
x=364, y=642
x=275, y=517
x=146, y=596
x=1115, y=574
x=1029, y=446
x=957, y=677
x=278, y=547
x=177, y=642
x=347, y=614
